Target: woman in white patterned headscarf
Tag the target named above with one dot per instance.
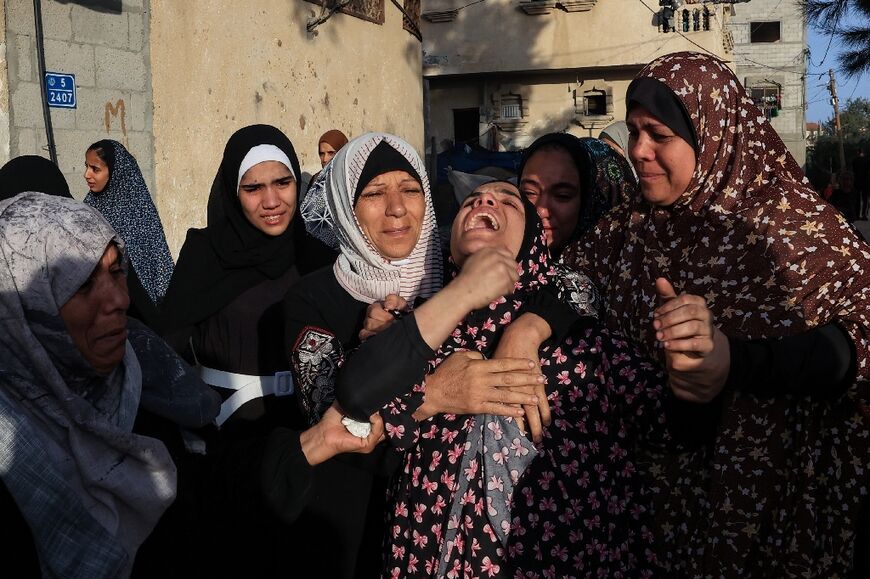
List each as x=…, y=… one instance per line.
x=88, y=488
x=372, y=201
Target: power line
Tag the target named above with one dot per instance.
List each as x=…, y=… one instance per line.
x=769, y=14
x=767, y=66
x=830, y=40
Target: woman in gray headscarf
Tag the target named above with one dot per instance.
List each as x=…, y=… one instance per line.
x=616, y=135
x=88, y=487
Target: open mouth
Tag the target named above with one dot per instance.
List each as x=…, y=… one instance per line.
x=482, y=220
x=273, y=219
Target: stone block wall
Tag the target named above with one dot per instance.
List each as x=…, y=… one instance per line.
x=108, y=54
x=782, y=62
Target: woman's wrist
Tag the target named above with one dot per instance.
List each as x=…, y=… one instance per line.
x=312, y=443
x=458, y=296
x=533, y=326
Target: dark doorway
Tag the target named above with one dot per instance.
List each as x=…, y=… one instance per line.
x=466, y=123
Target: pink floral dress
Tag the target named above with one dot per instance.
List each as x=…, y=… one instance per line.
x=476, y=498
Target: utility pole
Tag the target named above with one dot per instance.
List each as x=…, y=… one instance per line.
x=832, y=86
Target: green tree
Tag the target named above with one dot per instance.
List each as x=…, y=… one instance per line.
x=854, y=120
x=849, y=22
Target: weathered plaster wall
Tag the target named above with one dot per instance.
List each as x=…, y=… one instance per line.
x=220, y=65
x=496, y=36
x=551, y=60
x=4, y=90
x=551, y=106
x=108, y=53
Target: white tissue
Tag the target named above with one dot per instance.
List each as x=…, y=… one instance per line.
x=357, y=428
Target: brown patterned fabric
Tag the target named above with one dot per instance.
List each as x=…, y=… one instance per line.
x=778, y=494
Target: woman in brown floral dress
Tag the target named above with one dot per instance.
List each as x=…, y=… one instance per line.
x=781, y=282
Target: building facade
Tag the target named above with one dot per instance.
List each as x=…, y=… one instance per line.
x=502, y=72
x=172, y=80
x=770, y=44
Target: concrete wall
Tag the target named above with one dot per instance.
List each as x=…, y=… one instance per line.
x=551, y=104
x=108, y=54
x=496, y=36
x=220, y=65
x=4, y=90
x=782, y=62
x=550, y=60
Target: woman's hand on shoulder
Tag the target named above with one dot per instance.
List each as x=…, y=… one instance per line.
x=697, y=353
x=380, y=314
x=487, y=274
x=330, y=437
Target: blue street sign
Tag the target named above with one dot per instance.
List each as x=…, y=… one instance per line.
x=60, y=90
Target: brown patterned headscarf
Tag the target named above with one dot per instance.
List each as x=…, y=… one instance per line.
x=778, y=493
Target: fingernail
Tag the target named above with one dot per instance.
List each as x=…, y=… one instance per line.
x=541, y=379
x=534, y=399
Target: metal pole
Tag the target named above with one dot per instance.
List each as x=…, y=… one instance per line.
x=832, y=86
x=40, y=59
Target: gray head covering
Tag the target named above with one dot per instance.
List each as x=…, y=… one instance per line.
x=618, y=133
x=90, y=490
x=328, y=210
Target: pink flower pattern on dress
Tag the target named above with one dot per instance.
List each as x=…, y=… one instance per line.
x=577, y=509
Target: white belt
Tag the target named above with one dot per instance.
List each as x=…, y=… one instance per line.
x=246, y=388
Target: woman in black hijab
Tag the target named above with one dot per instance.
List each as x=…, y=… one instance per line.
x=223, y=310
x=32, y=173
x=559, y=169
x=223, y=307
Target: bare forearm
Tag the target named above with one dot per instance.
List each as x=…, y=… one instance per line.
x=438, y=317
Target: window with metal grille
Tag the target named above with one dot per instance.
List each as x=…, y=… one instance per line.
x=767, y=98
x=512, y=111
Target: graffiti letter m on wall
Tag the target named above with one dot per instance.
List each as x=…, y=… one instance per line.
x=118, y=110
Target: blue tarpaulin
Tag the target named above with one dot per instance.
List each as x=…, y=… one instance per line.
x=468, y=160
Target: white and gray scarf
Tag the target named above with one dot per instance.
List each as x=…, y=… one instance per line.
x=90, y=490
x=363, y=272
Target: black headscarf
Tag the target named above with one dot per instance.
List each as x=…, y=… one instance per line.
x=658, y=99
x=230, y=255
x=606, y=178
x=383, y=159
x=32, y=173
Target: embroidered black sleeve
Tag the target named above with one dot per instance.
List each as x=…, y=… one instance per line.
x=578, y=291
x=315, y=358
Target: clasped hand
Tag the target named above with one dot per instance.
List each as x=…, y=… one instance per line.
x=697, y=353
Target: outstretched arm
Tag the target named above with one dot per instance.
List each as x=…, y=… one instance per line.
x=386, y=365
